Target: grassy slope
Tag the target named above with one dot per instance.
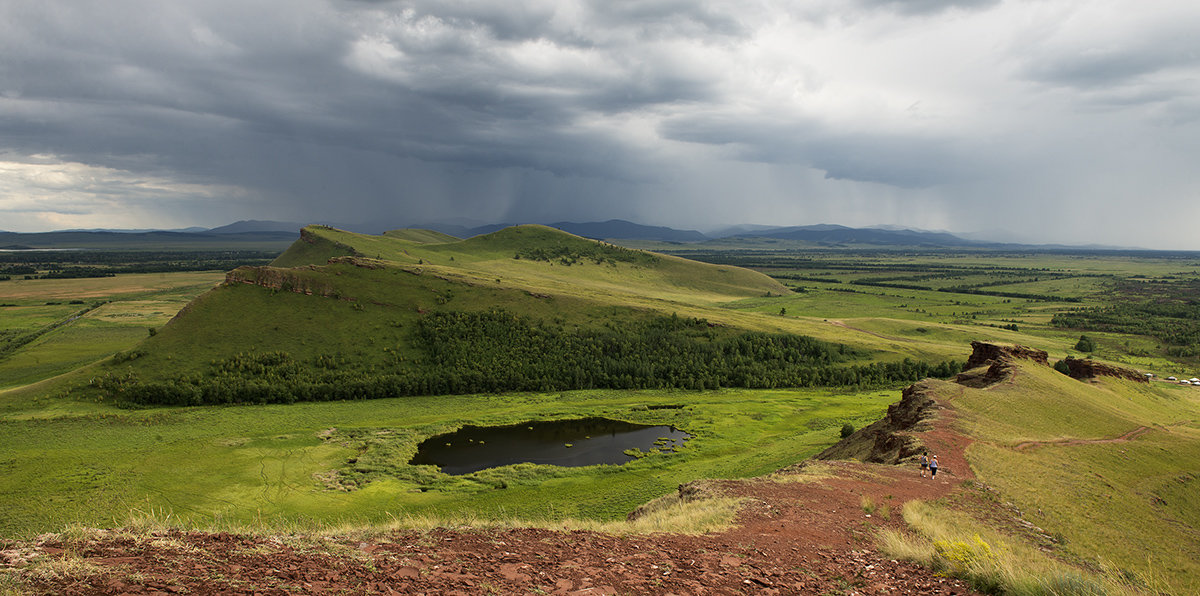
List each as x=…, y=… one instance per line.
x=421, y=236
x=732, y=296
x=1129, y=504
x=376, y=304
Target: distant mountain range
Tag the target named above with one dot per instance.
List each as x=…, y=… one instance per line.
x=267, y=235
x=834, y=234
x=608, y=230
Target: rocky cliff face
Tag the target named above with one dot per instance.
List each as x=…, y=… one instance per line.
x=1087, y=369
x=283, y=280
x=985, y=353
x=999, y=361
x=891, y=439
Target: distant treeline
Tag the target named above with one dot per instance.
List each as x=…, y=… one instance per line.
x=477, y=352
x=1168, y=312
x=78, y=264
x=790, y=260
x=1175, y=324
x=974, y=290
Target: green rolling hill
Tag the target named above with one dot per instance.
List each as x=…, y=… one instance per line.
x=343, y=315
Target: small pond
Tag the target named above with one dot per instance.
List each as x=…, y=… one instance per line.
x=568, y=443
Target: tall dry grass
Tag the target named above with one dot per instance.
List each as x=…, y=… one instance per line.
x=955, y=544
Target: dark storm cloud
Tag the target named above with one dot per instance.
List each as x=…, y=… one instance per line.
x=414, y=110
x=115, y=95
x=900, y=160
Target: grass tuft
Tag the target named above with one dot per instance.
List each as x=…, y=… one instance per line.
x=11, y=584
x=60, y=569
x=151, y=521
x=868, y=504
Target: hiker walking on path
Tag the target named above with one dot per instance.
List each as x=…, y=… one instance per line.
x=924, y=463
x=933, y=467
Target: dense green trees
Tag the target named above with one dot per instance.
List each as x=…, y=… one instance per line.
x=476, y=352
x=598, y=253
x=1167, y=312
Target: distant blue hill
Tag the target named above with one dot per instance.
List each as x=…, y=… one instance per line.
x=268, y=234
x=835, y=234
x=255, y=225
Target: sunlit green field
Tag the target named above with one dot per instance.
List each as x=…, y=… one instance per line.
x=239, y=464
x=75, y=322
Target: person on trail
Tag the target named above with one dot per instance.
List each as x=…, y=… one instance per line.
x=933, y=467
x=924, y=463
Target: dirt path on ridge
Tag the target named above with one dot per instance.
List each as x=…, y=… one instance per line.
x=1129, y=436
x=843, y=325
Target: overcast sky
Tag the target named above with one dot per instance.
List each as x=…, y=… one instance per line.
x=1072, y=121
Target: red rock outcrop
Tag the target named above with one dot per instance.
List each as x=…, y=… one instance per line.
x=889, y=440
x=999, y=360
x=983, y=353
x=1087, y=369
x=283, y=280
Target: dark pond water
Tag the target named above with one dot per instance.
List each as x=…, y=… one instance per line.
x=592, y=441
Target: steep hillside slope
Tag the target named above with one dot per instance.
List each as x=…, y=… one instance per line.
x=1107, y=465
x=315, y=246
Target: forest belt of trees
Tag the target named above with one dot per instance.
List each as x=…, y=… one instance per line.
x=967, y=290
x=1176, y=324
x=81, y=264
x=462, y=352
x=12, y=340
x=599, y=253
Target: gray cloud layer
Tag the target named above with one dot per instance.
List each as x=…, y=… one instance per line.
x=1035, y=119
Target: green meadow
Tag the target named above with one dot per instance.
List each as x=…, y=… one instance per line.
x=50, y=327
x=338, y=306
x=244, y=464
